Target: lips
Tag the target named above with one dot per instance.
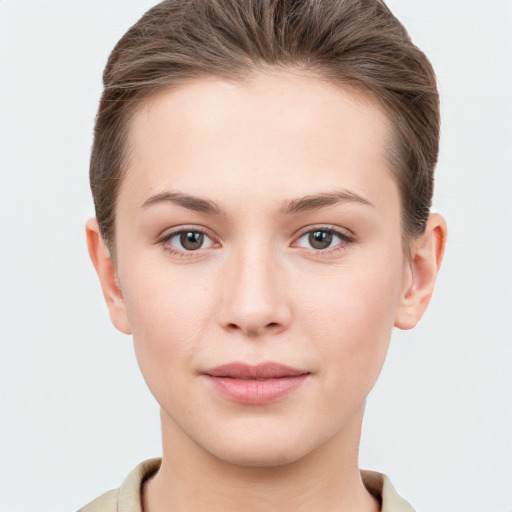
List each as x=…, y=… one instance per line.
x=255, y=385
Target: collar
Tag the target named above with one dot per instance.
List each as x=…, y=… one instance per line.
x=128, y=498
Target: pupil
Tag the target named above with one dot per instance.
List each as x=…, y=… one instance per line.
x=320, y=239
x=191, y=240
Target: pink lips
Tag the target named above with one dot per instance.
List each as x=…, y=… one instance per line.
x=255, y=385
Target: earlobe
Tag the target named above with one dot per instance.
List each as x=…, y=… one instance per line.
x=426, y=255
x=107, y=275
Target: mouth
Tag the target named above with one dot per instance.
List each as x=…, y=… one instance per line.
x=255, y=385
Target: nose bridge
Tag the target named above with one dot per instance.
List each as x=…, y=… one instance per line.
x=254, y=297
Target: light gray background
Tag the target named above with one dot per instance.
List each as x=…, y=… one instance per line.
x=75, y=415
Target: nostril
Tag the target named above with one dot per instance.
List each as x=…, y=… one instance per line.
x=252, y=329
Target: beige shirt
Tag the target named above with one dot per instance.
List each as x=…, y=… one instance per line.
x=128, y=497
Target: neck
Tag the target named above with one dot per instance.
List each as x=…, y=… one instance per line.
x=191, y=478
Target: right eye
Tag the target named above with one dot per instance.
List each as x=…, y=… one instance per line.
x=188, y=240
x=324, y=239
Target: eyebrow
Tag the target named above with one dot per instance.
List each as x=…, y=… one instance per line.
x=187, y=201
x=300, y=205
x=317, y=201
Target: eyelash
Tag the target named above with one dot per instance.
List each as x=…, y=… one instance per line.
x=345, y=239
x=165, y=241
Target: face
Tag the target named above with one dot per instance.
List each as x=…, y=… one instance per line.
x=260, y=261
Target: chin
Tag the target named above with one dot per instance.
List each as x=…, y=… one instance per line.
x=259, y=458
x=261, y=451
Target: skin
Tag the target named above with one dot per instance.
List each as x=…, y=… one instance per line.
x=257, y=290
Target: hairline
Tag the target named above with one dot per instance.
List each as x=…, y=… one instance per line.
x=359, y=90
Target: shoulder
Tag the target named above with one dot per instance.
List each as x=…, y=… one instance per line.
x=128, y=497
x=105, y=503
x=381, y=487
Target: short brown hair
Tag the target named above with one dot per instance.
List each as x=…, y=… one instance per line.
x=356, y=42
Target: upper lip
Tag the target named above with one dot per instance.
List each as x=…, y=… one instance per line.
x=268, y=370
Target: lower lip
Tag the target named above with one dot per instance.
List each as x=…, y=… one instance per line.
x=256, y=392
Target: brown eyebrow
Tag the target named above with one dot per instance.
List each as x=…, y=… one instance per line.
x=303, y=204
x=187, y=201
x=317, y=201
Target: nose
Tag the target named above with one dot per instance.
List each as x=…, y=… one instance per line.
x=254, y=298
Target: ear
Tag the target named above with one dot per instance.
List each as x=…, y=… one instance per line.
x=426, y=255
x=105, y=268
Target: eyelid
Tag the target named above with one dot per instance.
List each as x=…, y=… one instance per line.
x=346, y=236
x=168, y=235
x=344, y=232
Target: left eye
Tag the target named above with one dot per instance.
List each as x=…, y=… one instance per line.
x=189, y=240
x=320, y=239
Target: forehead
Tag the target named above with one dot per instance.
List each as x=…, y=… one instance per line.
x=294, y=131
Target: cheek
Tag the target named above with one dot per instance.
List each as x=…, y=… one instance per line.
x=160, y=295
x=352, y=295
x=350, y=316
x=168, y=314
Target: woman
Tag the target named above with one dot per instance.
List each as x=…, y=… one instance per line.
x=262, y=174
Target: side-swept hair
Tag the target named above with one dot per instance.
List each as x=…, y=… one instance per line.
x=356, y=42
